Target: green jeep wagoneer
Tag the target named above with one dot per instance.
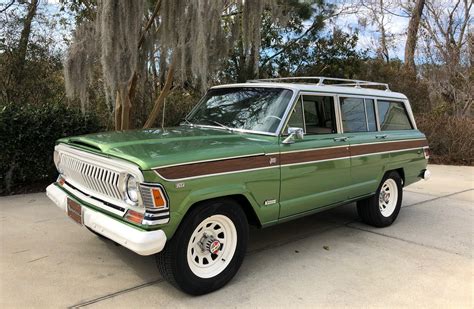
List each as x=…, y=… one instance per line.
x=260, y=153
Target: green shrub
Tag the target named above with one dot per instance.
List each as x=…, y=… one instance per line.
x=450, y=138
x=27, y=137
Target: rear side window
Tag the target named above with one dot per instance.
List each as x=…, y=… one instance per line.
x=393, y=116
x=358, y=115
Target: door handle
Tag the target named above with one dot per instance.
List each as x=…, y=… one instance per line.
x=341, y=139
x=382, y=136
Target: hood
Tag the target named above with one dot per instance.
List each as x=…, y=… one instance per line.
x=156, y=147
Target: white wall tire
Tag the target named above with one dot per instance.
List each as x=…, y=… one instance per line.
x=382, y=209
x=207, y=249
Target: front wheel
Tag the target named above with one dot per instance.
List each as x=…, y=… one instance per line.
x=207, y=249
x=382, y=209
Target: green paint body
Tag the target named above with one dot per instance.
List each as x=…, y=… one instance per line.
x=298, y=190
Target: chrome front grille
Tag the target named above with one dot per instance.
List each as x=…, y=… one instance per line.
x=91, y=177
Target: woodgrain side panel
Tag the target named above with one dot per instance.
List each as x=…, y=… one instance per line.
x=216, y=167
x=357, y=150
x=285, y=158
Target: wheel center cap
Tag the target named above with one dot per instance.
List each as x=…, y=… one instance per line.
x=385, y=197
x=214, y=247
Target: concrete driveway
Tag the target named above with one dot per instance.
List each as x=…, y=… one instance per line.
x=328, y=259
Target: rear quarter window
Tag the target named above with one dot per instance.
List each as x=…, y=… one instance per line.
x=393, y=116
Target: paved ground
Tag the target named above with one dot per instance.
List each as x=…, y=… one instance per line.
x=329, y=259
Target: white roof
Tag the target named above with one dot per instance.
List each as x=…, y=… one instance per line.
x=321, y=88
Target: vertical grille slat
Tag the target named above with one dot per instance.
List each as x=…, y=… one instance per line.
x=96, y=179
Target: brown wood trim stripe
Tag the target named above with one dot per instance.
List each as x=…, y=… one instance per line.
x=314, y=155
x=217, y=167
x=286, y=158
x=357, y=150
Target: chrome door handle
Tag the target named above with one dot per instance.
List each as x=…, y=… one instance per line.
x=382, y=136
x=341, y=139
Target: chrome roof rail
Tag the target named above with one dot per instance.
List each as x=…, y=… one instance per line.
x=319, y=80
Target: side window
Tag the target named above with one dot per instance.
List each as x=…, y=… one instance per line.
x=372, y=123
x=358, y=115
x=319, y=114
x=393, y=116
x=296, y=117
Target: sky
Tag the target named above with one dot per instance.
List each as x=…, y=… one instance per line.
x=368, y=35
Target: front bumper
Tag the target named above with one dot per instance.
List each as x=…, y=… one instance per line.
x=141, y=242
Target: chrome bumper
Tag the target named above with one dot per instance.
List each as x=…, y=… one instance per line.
x=141, y=242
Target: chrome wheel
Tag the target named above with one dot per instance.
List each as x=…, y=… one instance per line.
x=388, y=197
x=212, y=246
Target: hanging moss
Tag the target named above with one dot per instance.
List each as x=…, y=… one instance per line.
x=191, y=31
x=79, y=63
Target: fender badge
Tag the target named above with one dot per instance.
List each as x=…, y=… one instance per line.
x=180, y=185
x=269, y=202
x=273, y=160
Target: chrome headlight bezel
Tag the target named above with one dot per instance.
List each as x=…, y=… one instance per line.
x=132, y=191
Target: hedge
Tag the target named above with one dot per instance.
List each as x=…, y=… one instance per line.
x=450, y=138
x=27, y=137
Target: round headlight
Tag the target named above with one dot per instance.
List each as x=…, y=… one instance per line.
x=132, y=189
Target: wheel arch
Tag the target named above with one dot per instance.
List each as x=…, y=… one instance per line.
x=393, y=168
x=240, y=199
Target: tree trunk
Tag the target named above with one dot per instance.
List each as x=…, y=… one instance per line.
x=163, y=94
x=412, y=36
x=118, y=111
x=24, y=39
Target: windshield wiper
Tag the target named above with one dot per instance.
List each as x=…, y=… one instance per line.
x=220, y=125
x=186, y=121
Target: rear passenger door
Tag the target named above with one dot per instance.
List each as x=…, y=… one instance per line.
x=373, y=126
x=315, y=171
x=359, y=124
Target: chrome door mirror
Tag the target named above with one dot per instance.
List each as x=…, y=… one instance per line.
x=294, y=134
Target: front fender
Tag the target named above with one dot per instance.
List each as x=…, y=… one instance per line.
x=204, y=194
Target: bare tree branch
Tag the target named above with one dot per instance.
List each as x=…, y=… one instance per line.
x=7, y=6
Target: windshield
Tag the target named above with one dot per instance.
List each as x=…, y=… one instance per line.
x=243, y=108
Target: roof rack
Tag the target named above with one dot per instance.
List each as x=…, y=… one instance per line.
x=320, y=81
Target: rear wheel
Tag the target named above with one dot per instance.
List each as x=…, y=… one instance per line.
x=207, y=249
x=382, y=209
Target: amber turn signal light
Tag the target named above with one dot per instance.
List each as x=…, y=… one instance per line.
x=158, y=198
x=134, y=216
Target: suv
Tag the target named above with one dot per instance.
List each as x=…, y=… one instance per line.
x=260, y=153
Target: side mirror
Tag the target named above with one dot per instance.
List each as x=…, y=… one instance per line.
x=294, y=135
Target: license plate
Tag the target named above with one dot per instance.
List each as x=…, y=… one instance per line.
x=74, y=211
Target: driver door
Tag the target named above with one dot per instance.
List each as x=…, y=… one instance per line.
x=315, y=170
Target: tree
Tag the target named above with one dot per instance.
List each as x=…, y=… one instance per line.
x=376, y=13
x=30, y=58
x=184, y=41
x=412, y=36
x=24, y=39
x=447, y=48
